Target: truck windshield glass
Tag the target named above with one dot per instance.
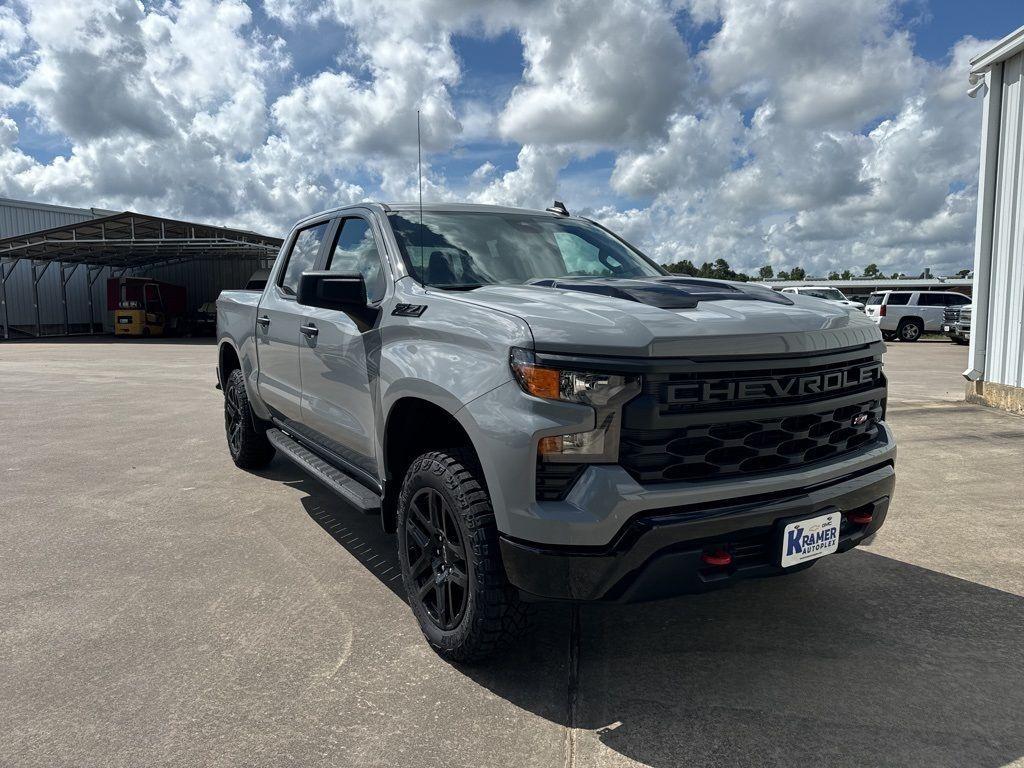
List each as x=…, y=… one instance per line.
x=832, y=294
x=467, y=250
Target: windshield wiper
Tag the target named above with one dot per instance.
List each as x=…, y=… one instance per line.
x=459, y=286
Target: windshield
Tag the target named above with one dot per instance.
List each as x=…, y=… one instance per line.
x=832, y=294
x=875, y=298
x=469, y=249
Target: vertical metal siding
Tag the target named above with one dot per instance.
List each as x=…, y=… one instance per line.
x=19, y=219
x=203, y=278
x=1004, y=362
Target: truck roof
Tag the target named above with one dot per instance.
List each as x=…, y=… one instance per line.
x=436, y=208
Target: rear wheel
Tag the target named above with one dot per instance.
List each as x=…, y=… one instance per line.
x=910, y=329
x=249, y=447
x=451, y=566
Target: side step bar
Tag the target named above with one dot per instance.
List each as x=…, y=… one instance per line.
x=355, y=493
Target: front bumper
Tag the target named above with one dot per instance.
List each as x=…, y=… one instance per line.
x=658, y=554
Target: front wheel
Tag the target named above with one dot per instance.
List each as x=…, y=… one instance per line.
x=450, y=562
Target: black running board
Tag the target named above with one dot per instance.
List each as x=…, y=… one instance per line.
x=352, y=491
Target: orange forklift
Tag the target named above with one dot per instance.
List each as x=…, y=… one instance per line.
x=145, y=307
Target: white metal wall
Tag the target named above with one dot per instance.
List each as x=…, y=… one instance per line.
x=18, y=218
x=203, y=278
x=1004, y=362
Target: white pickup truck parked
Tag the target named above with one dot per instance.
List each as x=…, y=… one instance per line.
x=905, y=315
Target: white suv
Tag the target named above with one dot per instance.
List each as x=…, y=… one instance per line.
x=825, y=292
x=905, y=315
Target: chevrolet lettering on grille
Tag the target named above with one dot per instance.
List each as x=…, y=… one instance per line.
x=781, y=387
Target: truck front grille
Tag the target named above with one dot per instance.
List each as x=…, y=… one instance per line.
x=707, y=420
x=730, y=449
x=951, y=315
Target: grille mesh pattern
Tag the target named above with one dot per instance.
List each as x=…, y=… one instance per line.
x=740, y=448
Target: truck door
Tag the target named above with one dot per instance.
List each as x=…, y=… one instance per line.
x=337, y=356
x=278, y=318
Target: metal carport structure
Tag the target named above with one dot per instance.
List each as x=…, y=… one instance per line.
x=119, y=244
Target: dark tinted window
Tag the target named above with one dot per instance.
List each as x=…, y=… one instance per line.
x=898, y=298
x=956, y=300
x=355, y=252
x=875, y=299
x=307, y=246
x=932, y=300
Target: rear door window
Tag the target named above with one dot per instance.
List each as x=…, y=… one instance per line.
x=932, y=300
x=898, y=298
x=302, y=256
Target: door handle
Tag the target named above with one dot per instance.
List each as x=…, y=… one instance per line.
x=309, y=331
x=264, y=321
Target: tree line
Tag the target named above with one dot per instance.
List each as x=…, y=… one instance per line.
x=719, y=269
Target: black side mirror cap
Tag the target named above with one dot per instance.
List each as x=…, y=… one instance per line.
x=332, y=290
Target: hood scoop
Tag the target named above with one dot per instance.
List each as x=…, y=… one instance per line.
x=665, y=292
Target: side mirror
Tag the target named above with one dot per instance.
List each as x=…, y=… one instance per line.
x=332, y=290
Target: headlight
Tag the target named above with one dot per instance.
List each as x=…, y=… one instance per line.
x=605, y=392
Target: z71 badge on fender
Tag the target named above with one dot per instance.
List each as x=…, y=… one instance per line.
x=726, y=390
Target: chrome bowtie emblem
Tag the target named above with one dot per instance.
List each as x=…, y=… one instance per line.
x=860, y=418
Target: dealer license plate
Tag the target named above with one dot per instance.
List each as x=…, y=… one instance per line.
x=810, y=539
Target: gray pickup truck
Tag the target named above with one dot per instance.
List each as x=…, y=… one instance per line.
x=539, y=411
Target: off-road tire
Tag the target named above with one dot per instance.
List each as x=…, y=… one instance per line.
x=909, y=329
x=492, y=613
x=249, y=447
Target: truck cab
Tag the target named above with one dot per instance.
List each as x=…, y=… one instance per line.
x=541, y=412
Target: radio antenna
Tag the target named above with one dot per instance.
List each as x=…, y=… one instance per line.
x=419, y=179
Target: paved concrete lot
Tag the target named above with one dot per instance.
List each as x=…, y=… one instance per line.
x=160, y=607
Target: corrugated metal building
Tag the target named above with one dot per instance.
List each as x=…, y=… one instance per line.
x=18, y=217
x=996, y=371
x=69, y=295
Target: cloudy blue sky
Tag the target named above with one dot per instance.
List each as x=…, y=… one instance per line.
x=824, y=133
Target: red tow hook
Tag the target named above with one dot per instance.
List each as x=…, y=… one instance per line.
x=859, y=518
x=717, y=558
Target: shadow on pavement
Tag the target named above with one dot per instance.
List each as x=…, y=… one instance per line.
x=861, y=660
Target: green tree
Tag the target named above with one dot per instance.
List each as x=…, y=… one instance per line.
x=847, y=275
x=766, y=272
x=783, y=275
x=872, y=270
x=684, y=267
x=797, y=273
x=834, y=275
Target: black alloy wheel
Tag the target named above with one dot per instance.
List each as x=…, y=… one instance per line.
x=436, y=558
x=248, y=446
x=233, y=420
